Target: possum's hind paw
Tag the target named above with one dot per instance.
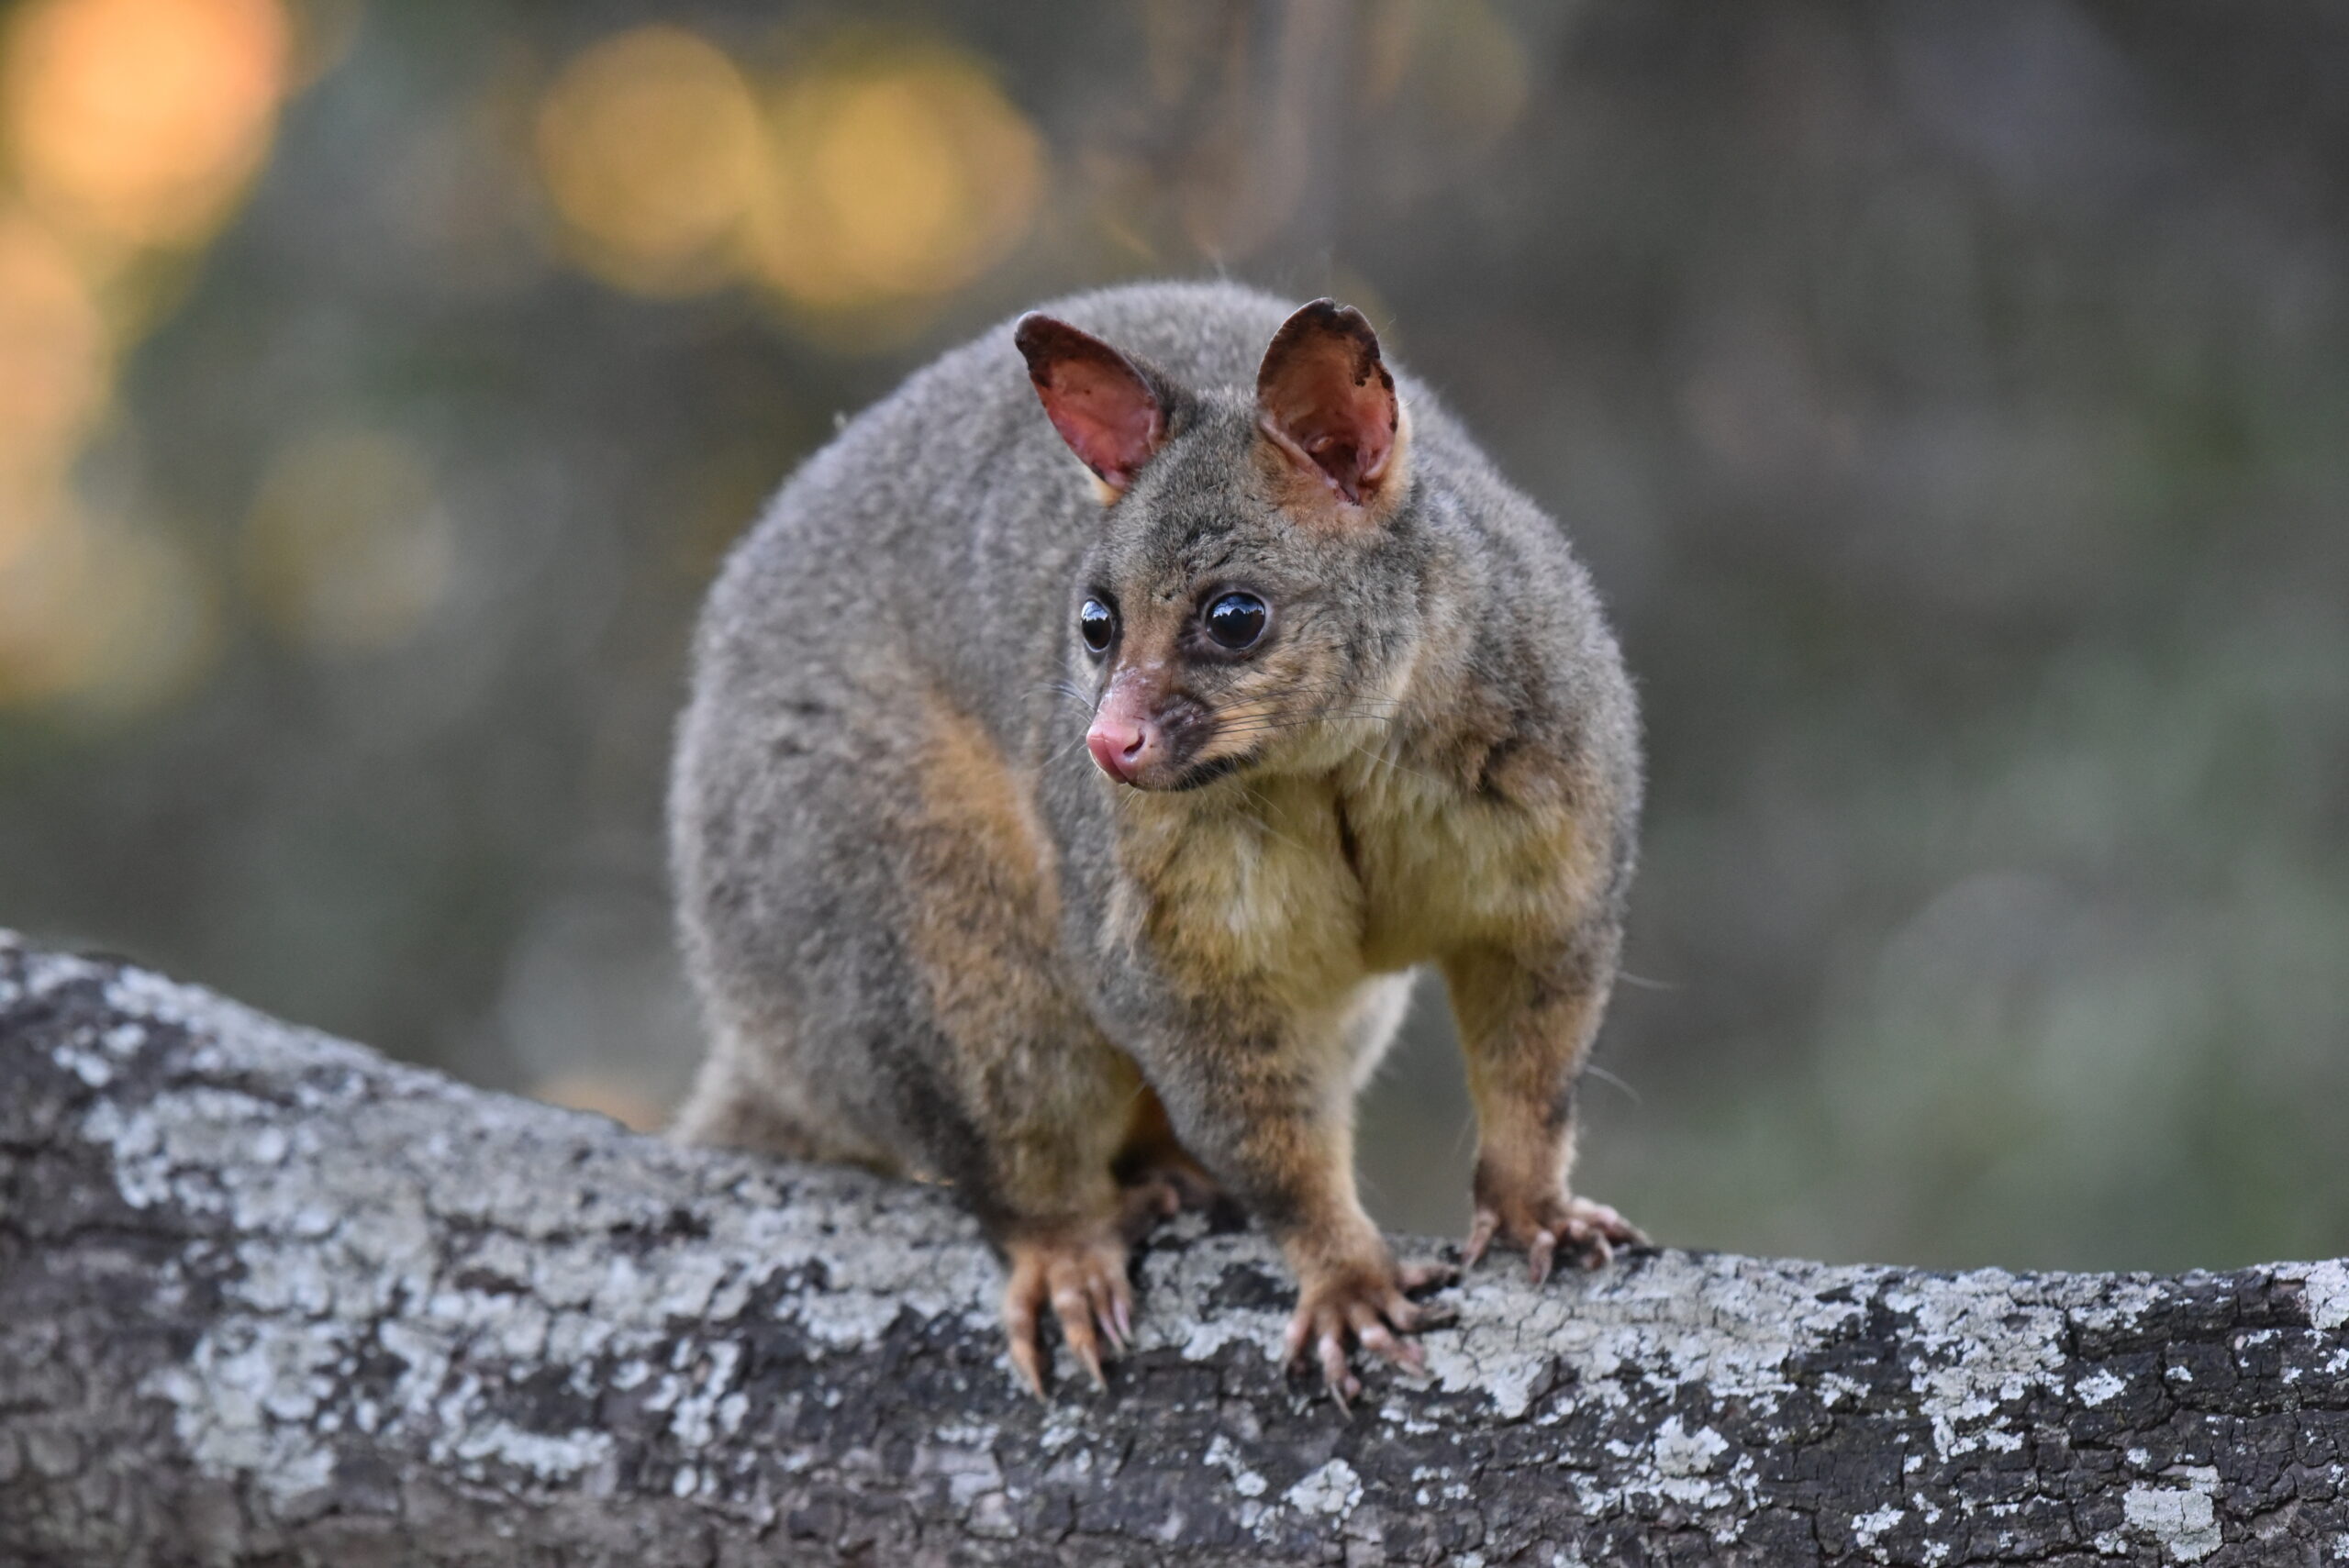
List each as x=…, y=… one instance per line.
x=1083, y=1279
x=1165, y=1188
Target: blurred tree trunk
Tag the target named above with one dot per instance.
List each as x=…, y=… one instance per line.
x=267, y=1297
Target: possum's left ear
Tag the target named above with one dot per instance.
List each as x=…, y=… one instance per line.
x=1327, y=405
x=1096, y=397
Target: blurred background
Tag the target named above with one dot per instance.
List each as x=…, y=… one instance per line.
x=1953, y=403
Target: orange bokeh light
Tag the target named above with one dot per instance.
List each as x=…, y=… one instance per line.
x=881, y=170
x=141, y=122
x=55, y=361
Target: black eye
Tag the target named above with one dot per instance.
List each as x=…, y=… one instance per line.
x=1096, y=623
x=1235, y=620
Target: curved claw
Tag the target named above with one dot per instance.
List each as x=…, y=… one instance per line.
x=1369, y=1309
x=1297, y=1340
x=1372, y=1333
x=1339, y=1377
x=1416, y=1277
x=1085, y=1281
x=1019, y=1333
x=1487, y=1225
x=1598, y=1224
x=1591, y=1231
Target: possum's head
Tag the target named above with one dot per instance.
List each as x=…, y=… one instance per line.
x=1253, y=599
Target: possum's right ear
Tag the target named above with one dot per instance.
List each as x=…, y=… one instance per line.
x=1096, y=397
x=1327, y=405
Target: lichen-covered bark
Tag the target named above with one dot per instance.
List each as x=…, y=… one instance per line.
x=265, y=1297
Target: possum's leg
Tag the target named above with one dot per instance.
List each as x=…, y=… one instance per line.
x=1269, y=1108
x=1000, y=1088
x=1037, y=1097
x=1029, y=1149
x=1039, y=1100
x=871, y=913
x=1526, y=1026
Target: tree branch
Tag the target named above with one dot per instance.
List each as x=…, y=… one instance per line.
x=265, y=1296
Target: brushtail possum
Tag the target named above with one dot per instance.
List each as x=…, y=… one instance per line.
x=1067, y=794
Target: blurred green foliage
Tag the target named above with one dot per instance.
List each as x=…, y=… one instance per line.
x=1952, y=401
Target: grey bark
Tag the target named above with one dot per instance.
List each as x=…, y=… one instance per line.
x=266, y=1298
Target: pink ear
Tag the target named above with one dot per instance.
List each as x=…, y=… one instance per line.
x=1326, y=400
x=1095, y=397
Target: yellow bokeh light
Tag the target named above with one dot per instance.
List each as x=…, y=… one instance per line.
x=894, y=176
x=110, y=619
x=348, y=549
x=881, y=171
x=650, y=145
x=47, y=639
x=141, y=122
x=55, y=362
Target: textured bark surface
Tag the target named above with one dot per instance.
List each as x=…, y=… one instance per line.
x=266, y=1298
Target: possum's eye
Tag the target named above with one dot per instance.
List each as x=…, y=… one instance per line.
x=1235, y=620
x=1096, y=623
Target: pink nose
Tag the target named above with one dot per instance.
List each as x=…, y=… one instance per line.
x=1119, y=745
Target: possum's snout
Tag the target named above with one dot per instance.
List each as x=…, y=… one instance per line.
x=1128, y=739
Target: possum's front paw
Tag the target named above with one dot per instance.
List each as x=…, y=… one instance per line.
x=1366, y=1303
x=1536, y=1225
x=1084, y=1278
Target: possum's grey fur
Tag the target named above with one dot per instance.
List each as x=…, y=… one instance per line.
x=931, y=936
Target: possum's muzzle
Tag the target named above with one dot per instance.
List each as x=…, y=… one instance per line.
x=1149, y=741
